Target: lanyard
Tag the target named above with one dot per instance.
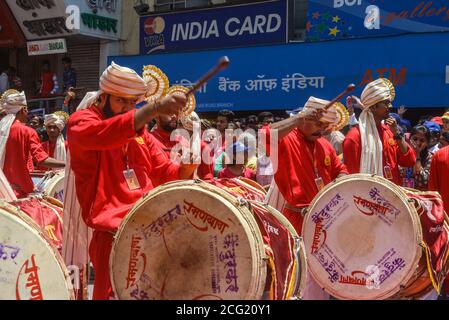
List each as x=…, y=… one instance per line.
x=125, y=155
x=312, y=158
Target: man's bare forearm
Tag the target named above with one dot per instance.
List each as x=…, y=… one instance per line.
x=284, y=127
x=144, y=115
x=52, y=163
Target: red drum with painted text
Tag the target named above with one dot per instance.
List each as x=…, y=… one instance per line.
x=31, y=267
x=193, y=240
x=364, y=239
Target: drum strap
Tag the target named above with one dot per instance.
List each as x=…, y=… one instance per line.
x=54, y=210
x=297, y=210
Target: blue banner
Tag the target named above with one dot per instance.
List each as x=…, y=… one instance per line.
x=243, y=25
x=342, y=19
x=284, y=76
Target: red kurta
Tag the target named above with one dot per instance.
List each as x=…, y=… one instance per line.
x=295, y=175
x=50, y=149
x=205, y=171
x=226, y=173
x=23, y=143
x=99, y=148
x=439, y=169
x=163, y=141
x=438, y=180
x=392, y=155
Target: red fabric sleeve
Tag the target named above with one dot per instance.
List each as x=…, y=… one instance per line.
x=89, y=132
x=433, y=177
x=266, y=132
x=337, y=166
x=163, y=169
x=351, y=152
x=37, y=151
x=407, y=159
x=206, y=171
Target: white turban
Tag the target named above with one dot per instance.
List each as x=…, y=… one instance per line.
x=12, y=101
x=53, y=119
x=57, y=120
x=372, y=148
x=117, y=81
x=187, y=121
x=377, y=91
x=330, y=115
x=122, y=82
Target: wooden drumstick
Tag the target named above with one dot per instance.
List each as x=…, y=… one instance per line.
x=222, y=64
x=348, y=90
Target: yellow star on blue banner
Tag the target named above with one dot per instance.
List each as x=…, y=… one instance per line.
x=336, y=19
x=333, y=31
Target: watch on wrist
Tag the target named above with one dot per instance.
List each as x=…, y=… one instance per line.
x=399, y=136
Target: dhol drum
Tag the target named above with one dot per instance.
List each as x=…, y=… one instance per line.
x=31, y=268
x=50, y=184
x=193, y=240
x=363, y=239
x=420, y=285
x=38, y=177
x=46, y=213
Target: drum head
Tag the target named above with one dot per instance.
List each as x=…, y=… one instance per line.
x=362, y=237
x=30, y=267
x=55, y=186
x=188, y=240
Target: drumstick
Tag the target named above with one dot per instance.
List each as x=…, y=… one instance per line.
x=348, y=90
x=222, y=64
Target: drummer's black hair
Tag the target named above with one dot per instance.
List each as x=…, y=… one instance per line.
x=228, y=114
x=421, y=129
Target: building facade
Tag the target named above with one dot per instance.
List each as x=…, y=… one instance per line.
x=284, y=51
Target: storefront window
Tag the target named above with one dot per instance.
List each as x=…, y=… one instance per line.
x=298, y=19
x=170, y=5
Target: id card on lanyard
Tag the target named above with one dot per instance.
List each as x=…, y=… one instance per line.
x=130, y=174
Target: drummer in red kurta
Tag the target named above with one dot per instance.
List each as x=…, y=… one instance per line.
x=18, y=143
x=56, y=145
x=375, y=147
x=306, y=161
x=438, y=181
x=54, y=125
x=116, y=161
x=162, y=132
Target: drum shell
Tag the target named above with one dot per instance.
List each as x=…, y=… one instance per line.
x=36, y=256
x=347, y=221
x=258, y=271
